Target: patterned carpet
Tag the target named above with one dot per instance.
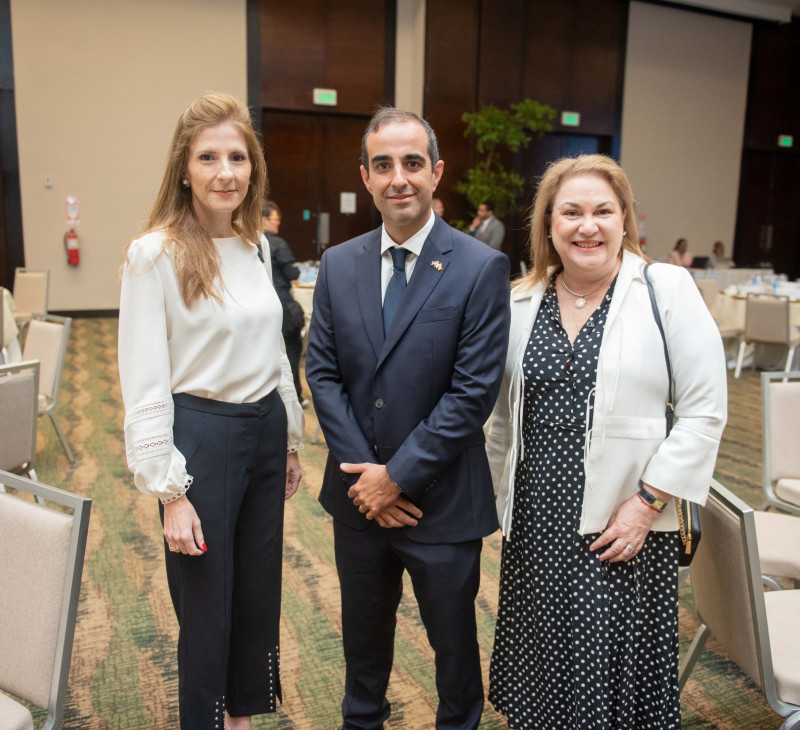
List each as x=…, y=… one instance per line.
x=123, y=666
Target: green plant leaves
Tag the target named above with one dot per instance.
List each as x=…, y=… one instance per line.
x=511, y=129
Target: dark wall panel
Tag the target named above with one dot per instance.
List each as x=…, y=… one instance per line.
x=569, y=54
x=773, y=101
x=769, y=212
x=12, y=252
x=309, y=44
x=575, y=58
x=769, y=196
x=451, y=73
x=502, y=51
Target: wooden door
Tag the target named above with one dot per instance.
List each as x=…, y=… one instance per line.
x=311, y=160
x=769, y=212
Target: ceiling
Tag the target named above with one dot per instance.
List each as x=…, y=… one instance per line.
x=779, y=11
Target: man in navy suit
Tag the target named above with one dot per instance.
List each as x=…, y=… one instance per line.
x=405, y=356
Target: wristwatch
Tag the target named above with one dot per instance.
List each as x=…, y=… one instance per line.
x=653, y=501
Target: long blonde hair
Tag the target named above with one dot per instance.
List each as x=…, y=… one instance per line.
x=543, y=254
x=196, y=261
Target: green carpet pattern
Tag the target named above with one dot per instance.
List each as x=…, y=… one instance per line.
x=124, y=674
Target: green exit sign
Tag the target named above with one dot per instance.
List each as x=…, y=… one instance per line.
x=325, y=97
x=785, y=140
x=570, y=119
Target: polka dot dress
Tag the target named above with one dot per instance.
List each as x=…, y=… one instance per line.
x=579, y=643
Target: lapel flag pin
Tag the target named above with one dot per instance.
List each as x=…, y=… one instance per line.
x=437, y=265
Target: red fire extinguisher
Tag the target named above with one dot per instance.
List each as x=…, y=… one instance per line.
x=72, y=248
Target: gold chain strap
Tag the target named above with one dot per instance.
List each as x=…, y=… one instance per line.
x=685, y=530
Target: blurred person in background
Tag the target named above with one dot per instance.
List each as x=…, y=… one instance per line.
x=718, y=259
x=284, y=272
x=487, y=228
x=679, y=256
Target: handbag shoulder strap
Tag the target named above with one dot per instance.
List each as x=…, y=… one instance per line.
x=670, y=407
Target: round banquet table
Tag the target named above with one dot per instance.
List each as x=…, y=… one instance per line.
x=729, y=311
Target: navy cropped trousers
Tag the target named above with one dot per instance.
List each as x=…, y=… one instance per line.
x=228, y=600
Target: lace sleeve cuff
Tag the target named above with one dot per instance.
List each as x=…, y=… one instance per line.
x=295, y=419
x=180, y=493
x=159, y=469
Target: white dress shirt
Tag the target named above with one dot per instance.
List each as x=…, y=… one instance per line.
x=413, y=245
x=230, y=352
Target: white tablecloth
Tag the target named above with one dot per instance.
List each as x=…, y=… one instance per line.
x=726, y=277
x=304, y=296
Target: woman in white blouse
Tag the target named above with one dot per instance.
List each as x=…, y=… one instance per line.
x=209, y=401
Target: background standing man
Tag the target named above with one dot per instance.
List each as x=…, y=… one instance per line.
x=405, y=355
x=284, y=272
x=487, y=228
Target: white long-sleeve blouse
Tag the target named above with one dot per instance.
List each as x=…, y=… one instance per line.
x=230, y=352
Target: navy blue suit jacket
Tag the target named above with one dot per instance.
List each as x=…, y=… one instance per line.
x=415, y=399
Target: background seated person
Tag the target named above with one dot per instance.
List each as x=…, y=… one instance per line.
x=718, y=259
x=680, y=256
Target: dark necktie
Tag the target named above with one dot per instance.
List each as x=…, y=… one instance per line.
x=396, y=288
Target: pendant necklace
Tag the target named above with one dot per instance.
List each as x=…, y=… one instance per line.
x=580, y=302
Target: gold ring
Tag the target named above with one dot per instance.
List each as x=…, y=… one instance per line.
x=361, y=509
x=174, y=547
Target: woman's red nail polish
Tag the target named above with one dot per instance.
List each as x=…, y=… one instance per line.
x=205, y=549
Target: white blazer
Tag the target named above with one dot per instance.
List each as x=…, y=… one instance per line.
x=626, y=445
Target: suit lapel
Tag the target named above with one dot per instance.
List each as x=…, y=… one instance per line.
x=426, y=276
x=368, y=288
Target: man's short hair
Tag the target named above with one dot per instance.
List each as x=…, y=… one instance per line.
x=489, y=205
x=269, y=208
x=388, y=115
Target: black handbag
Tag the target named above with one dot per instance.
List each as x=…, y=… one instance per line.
x=688, y=512
x=294, y=319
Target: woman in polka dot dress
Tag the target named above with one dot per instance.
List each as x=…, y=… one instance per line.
x=587, y=628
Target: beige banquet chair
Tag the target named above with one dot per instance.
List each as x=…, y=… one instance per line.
x=19, y=412
x=43, y=551
x=767, y=321
x=30, y=293
x=780, y=412
x=778, y=538
x=46, y=341
x=757, y=630
x=710, y=291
